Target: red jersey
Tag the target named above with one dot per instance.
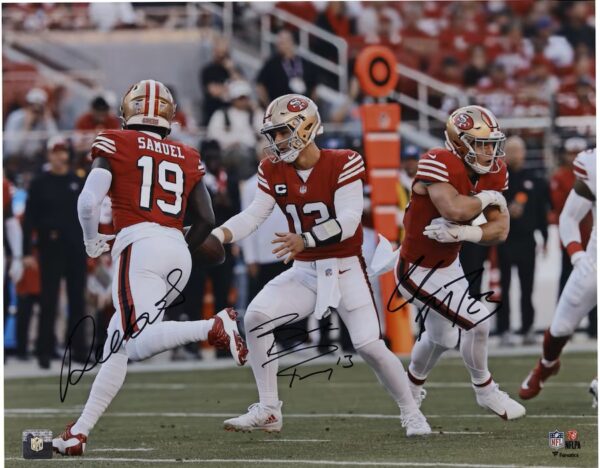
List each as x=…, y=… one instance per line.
x=151, y=178
x=312, y=202
x=440, y=165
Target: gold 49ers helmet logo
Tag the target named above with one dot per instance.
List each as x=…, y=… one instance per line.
x=464, y=121
x=297, y=104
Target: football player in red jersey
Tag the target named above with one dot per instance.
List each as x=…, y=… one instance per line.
x=151, y=181
x=321, y=194
x=452, y=188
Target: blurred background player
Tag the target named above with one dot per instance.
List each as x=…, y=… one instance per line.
x=321, y=194
x=579, y=294
x=150, y=180
x=451, y=188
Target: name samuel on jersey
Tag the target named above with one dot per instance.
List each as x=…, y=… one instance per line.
x=160, y=147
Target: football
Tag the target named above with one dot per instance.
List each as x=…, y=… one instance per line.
x=209, y=253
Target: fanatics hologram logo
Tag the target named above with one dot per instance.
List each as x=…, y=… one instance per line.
x=556, y=441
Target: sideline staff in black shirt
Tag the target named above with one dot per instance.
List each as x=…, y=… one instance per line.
x=52, y=212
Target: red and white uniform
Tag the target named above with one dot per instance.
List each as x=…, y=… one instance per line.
x=579, y=294
x=152, y=179
x=312, y=202
x=440, y=165
x=445, y=289
x=334, y=273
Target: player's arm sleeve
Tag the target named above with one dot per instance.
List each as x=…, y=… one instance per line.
x=246, y=222
x=349, y=203
x=90, y=199
x=575, y=209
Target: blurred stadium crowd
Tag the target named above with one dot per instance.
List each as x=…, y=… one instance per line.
x=521, y=58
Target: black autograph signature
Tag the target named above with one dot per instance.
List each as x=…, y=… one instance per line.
x=430, y=300
x=133, y=329
x=302, y=337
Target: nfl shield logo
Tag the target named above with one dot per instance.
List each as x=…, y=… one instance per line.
x=556, y=439
x=303, y=189
x=37, y=444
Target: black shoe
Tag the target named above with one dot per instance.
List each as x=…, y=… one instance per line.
x=44, y=362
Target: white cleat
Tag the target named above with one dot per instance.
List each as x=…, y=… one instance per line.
x=594, y=391
x=418, y=393
x=415, y=424
x=258, y=418
x=494, y=399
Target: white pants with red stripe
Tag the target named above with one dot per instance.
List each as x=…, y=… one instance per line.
x=292, y=296
x=150, y=273
x=442, y=300
x=444, y=307
x=295, y=292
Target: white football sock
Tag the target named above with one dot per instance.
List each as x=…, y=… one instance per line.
x=424, y=356
x=159, y=337
x=474, y=351
x=390, y=372
x=106, y=385
x=265, y=376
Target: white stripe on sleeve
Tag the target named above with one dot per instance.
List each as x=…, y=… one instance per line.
x=433, y=176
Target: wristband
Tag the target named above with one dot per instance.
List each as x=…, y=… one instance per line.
x=309, y=240
x=472, y=234
x=219, y=234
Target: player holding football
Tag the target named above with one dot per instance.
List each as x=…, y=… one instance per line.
x=579, y=295
x=321, y=194
x=151, y=181
x=452, y=187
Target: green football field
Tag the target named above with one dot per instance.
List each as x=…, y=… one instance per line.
x=168, y=418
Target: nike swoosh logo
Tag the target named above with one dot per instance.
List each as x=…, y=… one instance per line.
x=341, y=272
x=432, y=156
x=453, y=236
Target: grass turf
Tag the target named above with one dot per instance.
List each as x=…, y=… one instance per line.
x=137, y=419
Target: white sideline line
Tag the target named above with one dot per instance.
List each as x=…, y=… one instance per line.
x=140, y=449
x=280, y=462
x=296, y=440
x=37, y=412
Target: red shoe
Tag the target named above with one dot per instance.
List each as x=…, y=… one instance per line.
x=224, y=335
x=69, y=444
x=534, y=382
